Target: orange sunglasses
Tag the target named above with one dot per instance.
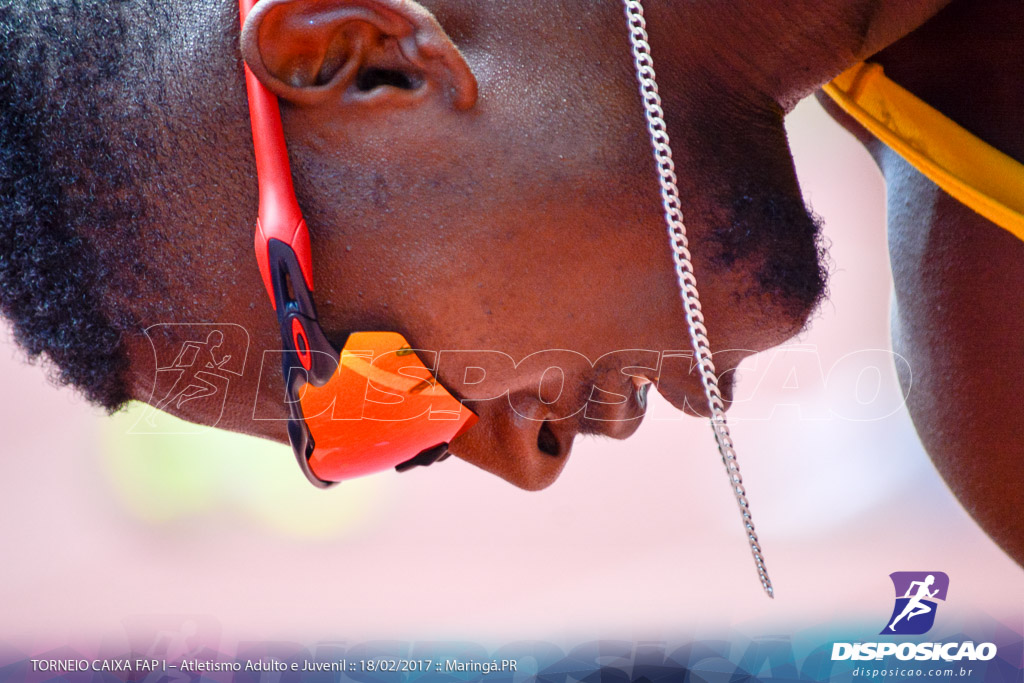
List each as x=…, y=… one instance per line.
x=373, y=404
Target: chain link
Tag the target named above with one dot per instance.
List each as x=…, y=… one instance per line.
x=684, y=271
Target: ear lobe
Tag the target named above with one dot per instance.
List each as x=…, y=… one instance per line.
x=354, y=51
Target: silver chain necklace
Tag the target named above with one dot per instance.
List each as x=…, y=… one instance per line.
x=684, y=271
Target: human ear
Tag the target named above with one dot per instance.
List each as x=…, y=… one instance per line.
x=359, y=52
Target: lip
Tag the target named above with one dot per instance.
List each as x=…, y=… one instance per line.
x=685, y=391
x=522, y=439
x=616, y=420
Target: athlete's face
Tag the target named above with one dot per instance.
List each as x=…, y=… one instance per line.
x=530, y=225
x=520, y=217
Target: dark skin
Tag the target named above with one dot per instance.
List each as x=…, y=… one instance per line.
x=502, y=195
x=959, y=279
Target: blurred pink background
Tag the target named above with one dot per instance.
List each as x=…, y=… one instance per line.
x=102, y=529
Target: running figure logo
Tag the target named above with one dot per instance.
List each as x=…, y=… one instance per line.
x=916, y=593
x=195, y=362
x=194, y=370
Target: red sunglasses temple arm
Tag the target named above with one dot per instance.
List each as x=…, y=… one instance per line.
x=279, y=215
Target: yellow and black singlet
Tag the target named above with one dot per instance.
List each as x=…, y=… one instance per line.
x=967, y=168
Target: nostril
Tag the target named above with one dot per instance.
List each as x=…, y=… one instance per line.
x=547, y=442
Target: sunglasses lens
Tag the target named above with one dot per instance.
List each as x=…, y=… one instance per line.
x=380, y=409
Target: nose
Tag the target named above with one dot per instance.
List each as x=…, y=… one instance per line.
x=521, y=440
x=521, y=443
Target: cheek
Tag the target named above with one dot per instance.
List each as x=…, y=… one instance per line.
x=536, y=284
x=589, y=276
x=527, y=255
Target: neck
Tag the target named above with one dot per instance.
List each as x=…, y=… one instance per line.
x=943, y=65
x=786, y=51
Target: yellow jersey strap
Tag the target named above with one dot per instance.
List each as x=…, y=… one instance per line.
x=970, y=170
